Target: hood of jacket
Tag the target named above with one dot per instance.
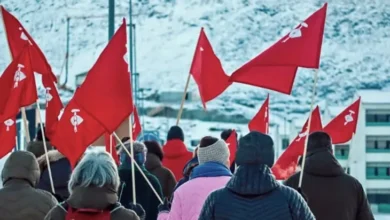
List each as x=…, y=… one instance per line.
x=252, y=180
x=174, y=148
x=152, y=161
x=190, y=165
x=92, y=197
x=321, y=162
x=210, y=169
x=21, y=165
x=54, y=156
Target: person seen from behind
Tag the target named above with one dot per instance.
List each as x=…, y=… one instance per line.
x=187, y=170
x=225, y=136
x=331, y=193
x=252, y=192
x=93, y=190
x=154, y=165
x=175, y=151
x=211, y=174
x=144, y=194
x=19, y=200
x=36, y=146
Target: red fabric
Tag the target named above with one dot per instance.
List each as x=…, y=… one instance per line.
x=207, y=70
x=286, y=164
x=342, y=128
x=110, y=143
x=176, y=156
x=106, y=92
x=260, y=122
x=281, y=60
x=71, y=138
x=87, y=214
x=53, y=106
x=232, y=144
x=136, y=125
x=18, y=37
x=7, y=135
x=17, y=86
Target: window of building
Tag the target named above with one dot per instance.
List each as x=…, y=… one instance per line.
x=377, y=116
x=285, y=143
x=378, y=143
x=342, y=151
x=378, y=171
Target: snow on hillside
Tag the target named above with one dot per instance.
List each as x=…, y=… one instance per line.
x=354, y=53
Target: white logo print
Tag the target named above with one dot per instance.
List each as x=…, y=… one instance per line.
x=76, y=120
x=8, y=123
x=302, y=135
x=48, y=96
x=349, y=118
x=201, y=49
x=19, y=75
x=295, y=33
x=23, y=36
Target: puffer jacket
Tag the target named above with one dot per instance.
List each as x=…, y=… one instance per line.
x=253, y=193
x=19, y=200
x=60, y=170
x=164, y=175
x=176, y=156
x=331, y=193
x=189, y=198
x=92, y=198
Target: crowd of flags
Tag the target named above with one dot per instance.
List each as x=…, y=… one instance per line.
x=104, y=101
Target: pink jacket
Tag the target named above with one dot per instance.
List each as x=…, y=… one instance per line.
x=189, y=198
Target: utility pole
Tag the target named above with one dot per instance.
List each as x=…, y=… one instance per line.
x=111, y=18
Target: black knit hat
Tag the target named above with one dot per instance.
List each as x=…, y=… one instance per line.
x=255, y=148
x=39, y=134
x=319, y=140
x=154, y=148
x=175, y=132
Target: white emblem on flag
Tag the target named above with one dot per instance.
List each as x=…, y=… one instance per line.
x=19, y=75
x=295, y=33
x=8, y=123
x=23, y=36
x=76, y=120
x=301, y=135
x=201, y=49
x=349, y=118
x=48, y=96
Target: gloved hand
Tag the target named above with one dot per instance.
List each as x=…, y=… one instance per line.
x=303, y=194
x=165, y=207
x=137, y=208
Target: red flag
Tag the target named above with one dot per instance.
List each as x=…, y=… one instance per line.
x=343, y=127
x=136, y=125
x=106, y=92
x=300, y=48
x=232, y=144
x=207, y=70
x=17, y=86
x=260, y=122
x=75, y=131
x=53, y=106
x=111, y=147
x=286, y=164
x=7, y=135
x=18, y=37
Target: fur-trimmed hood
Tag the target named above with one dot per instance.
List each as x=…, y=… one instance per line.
x=54, y=155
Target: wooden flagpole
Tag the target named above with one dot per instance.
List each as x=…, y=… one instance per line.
x=308, y=126
x=45, y=147
x=111, y=144
x=132, y=160
x=142, y=173
x=183, y=99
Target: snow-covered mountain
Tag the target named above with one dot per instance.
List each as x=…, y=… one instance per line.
x=355, y=53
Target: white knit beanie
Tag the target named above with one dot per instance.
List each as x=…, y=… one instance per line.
x=217, y=152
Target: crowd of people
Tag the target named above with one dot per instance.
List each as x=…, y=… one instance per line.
x=173, y=183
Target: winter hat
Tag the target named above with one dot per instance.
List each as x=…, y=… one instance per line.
x=139, y=149
x=175, y=132
x=149, y=137
x=154, y=148
x=319, y=140
x=212, y=149
x=39, y=134
x=255, y=148
x=225, y=134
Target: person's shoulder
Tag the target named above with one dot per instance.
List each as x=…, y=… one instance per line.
x=288, y=192
x=43, y=195
x=351, y=181
x=122, y=213
x=293, y=180
x=58, y=212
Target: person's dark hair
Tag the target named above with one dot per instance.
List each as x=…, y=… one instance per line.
x=207, y=141
x=175, y=132
x=319, y=140
x=124, y=139
x=300, y=161
x=39, y=134
x=154, y=148
x=226, y=134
